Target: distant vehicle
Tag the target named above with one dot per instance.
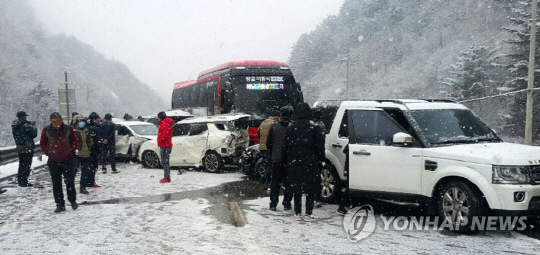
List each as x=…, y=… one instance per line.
x=252, y=86
x=435, y=153
x=130, y=135
x=175, y=115
x=212, y=142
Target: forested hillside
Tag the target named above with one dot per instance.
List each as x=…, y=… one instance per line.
x=32, y=66
x=458, y=49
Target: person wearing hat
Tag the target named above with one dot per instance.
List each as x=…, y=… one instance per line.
x=24, y=133
x=59, y=143
x=304, y=156
x=84, y=150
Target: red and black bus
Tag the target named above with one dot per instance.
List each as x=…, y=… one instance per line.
x=252, y=86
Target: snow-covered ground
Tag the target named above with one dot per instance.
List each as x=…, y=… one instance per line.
x=187, y=226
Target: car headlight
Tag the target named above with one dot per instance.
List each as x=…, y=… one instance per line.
x=511, y=175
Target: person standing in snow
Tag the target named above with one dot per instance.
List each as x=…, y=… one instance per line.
x=304, y=154
x=93, y=128
x=84, y=148
x=275, y=143
x=106, y=134
x=262, y=134
x=59, y=143
x=24, y=133
x=164, y=141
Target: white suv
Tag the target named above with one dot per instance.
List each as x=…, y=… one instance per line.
x=432, y=152
x=212, y=142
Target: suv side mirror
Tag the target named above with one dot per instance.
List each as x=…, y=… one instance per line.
x=402, y=139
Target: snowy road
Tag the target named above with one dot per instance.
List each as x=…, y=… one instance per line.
x=134, y=214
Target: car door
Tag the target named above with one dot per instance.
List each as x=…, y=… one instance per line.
x=335, y=143
x=121, y=138
x=375, y=163
x=195, y=144
x=180, y=132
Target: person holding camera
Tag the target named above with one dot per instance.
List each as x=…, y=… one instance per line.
x=24, y=133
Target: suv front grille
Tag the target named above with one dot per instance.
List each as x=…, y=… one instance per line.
x=535, y=174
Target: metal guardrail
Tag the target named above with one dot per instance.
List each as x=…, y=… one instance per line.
x=9, y=154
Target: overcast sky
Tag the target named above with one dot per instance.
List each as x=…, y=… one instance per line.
x=166, y=41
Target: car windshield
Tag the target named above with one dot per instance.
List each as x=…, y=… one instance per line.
x=144, y=129
x=451, y=126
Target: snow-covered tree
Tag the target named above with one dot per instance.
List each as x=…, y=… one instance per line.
x=470, y=76
x=519, y=59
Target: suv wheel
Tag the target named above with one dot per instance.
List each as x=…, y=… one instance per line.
x=212, y=162
x=458, y=203
x=150, y=159
x=330, y=184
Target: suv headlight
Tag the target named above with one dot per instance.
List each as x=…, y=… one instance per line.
x=511, y=175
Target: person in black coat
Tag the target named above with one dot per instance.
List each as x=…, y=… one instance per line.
x=274, y=143
x=304, y=156
x=24, y=133
x=93, y=128
x=106, y=135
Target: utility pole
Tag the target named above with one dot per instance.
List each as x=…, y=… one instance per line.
x=346, y=59
x=67, y=96
x=530, y=80
x=347, y=76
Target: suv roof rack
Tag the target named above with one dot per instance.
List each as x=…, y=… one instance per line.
x=440, y=100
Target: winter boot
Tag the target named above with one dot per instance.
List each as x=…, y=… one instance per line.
x=83, y=190
x=165, y=180
x=341, y=210
x=59, y=208
x=114, y=171
x=310, y=217
x=104, y=170
x=74, y=205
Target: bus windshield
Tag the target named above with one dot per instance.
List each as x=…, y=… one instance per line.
x=255, y=95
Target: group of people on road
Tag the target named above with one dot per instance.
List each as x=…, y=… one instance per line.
x=292, y=140
x=86, y=143
x=294, y=144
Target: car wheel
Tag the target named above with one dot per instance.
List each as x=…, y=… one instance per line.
x=330, y=184
x=150, y=159
x=212, y=162
x=458, y=203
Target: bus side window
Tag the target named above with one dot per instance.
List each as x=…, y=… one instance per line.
x=181, y=101
x=195, y=95
x=211, y=96
x=187, y=96
x=202, y=95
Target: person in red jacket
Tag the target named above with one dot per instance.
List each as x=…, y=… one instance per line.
x=59, y=143
x=164, y=141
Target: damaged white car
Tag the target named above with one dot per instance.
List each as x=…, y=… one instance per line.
x=130, y=135
x=211, y=142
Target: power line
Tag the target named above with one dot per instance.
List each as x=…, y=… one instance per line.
x=498, y=95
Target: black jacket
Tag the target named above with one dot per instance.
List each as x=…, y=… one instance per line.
x=106, y=130
x=24, y=135
x=304, y=152
x=276, y=140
